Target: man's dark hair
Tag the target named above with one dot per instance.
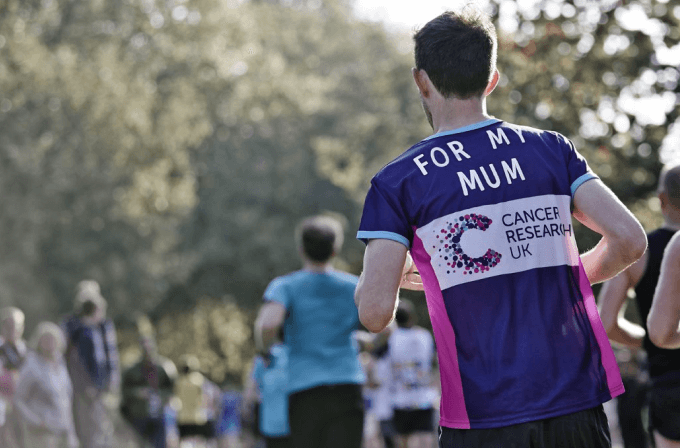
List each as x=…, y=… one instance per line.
x=669, y=183
x=319, y=237
x=406, y=314
x=458, y=52
x=88, y=308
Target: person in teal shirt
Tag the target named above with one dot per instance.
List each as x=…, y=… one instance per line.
x=315, y=307
x=270, y=374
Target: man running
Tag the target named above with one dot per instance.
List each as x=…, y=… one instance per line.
x=316, y=310
x=657, y=326
x=411, y=355
x=485, y=208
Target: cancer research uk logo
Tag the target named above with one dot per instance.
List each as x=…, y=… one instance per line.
x=451, y=253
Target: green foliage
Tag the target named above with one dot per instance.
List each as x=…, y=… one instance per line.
x=167, y=149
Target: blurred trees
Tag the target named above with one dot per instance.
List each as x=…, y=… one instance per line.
x=605, y=74
x=167, y=148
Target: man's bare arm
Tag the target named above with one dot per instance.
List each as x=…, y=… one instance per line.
x=376, y=292
x=623, y=238
x=664, y=316
x=269, y=321
x=612, y=306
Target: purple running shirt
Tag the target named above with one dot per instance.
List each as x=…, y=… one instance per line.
x=486, y=213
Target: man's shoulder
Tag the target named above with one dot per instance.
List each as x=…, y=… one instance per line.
x=291, y=277
x=345, y=277
x=547, y=135
x=400, y=166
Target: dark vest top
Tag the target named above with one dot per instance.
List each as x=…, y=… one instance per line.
x=661, y=361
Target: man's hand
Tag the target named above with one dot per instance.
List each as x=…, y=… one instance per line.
x=410, y=278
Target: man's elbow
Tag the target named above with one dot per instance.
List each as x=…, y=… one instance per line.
x=659, y=336
x=375, y=323
x=375, y=318
x=660, y=332
x=608, y=324
x=632, y=242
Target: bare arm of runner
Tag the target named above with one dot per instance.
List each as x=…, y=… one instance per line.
x=623, y=239
x=386, y=268
x=612, y=306
x=269, y=321
x=664, y=316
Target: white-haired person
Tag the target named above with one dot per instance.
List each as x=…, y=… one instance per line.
x=43, y=396
x=12, y=354
x=92, y=361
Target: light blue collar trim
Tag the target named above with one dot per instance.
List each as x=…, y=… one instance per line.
x=469, y=127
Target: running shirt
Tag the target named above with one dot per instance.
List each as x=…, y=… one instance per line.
x=382, y=399
x=318, y=328
x=272, y=382
x=411, y=352
x=662, y=362
x=485, y=211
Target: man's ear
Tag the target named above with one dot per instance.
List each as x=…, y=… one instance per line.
x=492, y=84
x=422, y=81
x=663, y=200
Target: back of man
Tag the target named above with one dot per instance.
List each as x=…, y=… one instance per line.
x=512, y=289
x=315, y=308
x=663, y=364
x=318, y=329
x=485, y=208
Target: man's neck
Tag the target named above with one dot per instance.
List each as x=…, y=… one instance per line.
x=672, y=224
x=316, y=267
x=455, y=113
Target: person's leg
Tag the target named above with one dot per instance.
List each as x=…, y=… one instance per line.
x=344, y=431
x=421, y=440
x=629, y=410
x=584, y=429
x=343, y=426
x=278, y=442
x=516, y=436
x=402, y=427
x=422, y=427
x=387, y=431
x=663, y=442
x=306, y=414
x=158, y=433
x=93, y=425
x=664, y=415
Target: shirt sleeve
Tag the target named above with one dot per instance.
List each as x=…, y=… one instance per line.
x=276, y=292
x=258, y=371
x=384, y=217
x=577, y=166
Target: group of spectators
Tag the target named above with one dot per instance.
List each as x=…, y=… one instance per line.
x=52, y=388
x=64, y=387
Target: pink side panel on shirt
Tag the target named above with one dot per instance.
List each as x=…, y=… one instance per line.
x=608, y=360
x=452, y=410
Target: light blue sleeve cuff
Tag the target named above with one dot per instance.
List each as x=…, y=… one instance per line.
x=364, y=236
x=580, y=181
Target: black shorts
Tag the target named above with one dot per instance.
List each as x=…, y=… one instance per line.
x=207, y=430
x=408, y=421
x=278, y=442
x=664, y=409
x=327, y=417
x=584, y=429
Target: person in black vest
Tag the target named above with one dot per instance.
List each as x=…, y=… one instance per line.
x=664, y=331
x=643, y=276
